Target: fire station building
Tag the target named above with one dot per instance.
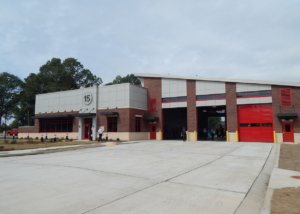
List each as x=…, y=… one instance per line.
x=251, y=111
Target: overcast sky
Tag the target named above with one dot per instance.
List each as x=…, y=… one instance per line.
x=233, y=39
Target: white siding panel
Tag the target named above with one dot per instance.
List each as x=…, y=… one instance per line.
x=200, y=103
x=220, y=102
x=242, y=101
x=165, y=105
x=173, y=105
x=253, y=100
x=265, y=100
x=182, y=104
x=210, y=102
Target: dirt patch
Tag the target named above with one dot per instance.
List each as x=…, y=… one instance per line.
x=290, y=157
x=286, y=201
x=6, y=149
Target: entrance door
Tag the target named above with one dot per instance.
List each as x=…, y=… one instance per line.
x=288, y=132
x=87, y=129
x=153, y=131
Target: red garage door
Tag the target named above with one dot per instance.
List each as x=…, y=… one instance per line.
x=255, y=123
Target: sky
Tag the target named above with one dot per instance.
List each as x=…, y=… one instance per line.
x=257, y=39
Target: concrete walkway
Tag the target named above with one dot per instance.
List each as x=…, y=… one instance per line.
x=146, y=177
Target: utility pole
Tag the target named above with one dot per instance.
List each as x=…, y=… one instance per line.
x=5, y=128
x=28, y=117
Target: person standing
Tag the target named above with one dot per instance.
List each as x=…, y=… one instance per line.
x=100, y=132
x=183, y=134
x=212, y=133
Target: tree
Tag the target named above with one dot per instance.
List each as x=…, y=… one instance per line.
x=10, y=90
x=53, y=76
x=130, y=78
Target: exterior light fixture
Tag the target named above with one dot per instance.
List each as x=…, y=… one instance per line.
x=204, y=110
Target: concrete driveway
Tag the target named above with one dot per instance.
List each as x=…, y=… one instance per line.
x=145, y=177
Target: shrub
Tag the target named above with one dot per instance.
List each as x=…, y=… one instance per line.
x=6, y=141
x=1, y=147
x=13, y=141
x=62, y=138
x=103, y=139
x=21, y=138
x=110, y=139
x=118, y=139
x=51, y=139
x=71, y=139
x=17, y=138
x=37, y=138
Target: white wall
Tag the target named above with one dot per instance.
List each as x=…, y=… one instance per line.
x=209, y=87
x=254, y=100
x=174, y=105
x=211, y=103
x=65, y=101
x=122, y=95
x=173, y=88
x=244, y=87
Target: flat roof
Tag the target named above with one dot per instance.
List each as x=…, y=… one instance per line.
x=261, y=82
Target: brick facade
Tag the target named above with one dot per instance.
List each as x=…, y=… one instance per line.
x=231, y=107
x=125, y=119
x=191, y=106
x=36, y=127
x=154, y=91
x=295, y=108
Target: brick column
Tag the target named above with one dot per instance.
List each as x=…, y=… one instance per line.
x=231, y=110
x=154, y=91
x=192, y=119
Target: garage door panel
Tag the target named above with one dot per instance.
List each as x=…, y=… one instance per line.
x=260, y=120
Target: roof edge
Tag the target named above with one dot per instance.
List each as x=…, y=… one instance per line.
x=261, y=82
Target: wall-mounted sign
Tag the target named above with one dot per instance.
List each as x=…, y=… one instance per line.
x=87, y=98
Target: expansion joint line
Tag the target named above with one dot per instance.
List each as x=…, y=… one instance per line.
x=159, y=182
x=254, y=180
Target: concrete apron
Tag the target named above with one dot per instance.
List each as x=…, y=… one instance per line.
x=147, y=177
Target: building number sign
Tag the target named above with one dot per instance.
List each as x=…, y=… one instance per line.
x=87, y=98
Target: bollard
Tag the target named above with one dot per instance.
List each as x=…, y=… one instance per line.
x=13, y=136
x=27, y=136
x=106, y=137
x=42, y=139
x=67, y=136
x=55, y=138
x=46, y=136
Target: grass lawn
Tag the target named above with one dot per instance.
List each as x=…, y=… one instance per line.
x=287, y=200
x=37, y=144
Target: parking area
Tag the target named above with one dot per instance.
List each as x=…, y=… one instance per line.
x=142, y=177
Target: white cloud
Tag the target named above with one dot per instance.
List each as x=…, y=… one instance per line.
x=233, y=39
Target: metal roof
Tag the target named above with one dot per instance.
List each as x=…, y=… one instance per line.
x=261, y=82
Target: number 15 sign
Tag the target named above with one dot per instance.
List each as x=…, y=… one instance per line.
x=87, y=98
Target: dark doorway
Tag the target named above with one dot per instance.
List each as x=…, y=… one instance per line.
x=212, y=120
x=174, y=119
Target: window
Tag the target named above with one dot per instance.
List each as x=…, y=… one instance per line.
x=174, y=99
x=153, y=105
x=253, y=94
x=201, y=97
x=288, y=128
x=138, y=124
x=244, y=94
x=255, y=124
x=264, y=93
x=266, y=124
x=286, y=97
x=244, y=124
x=219, y=96
x=112, y=124
x=211, y=97
x=56, y=125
